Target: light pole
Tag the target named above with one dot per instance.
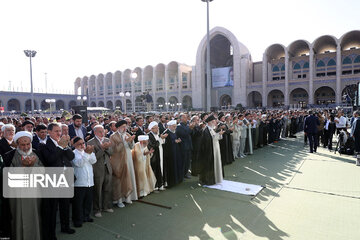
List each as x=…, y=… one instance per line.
x=208, y=79
x=172, y=106
x=161, y=106
x=133, y=76
x=30, y=54
x=50, y=102
x=167, y=106
x=81, y=99
x=124, y=95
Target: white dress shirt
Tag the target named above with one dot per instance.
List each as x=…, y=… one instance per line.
x=83, y=169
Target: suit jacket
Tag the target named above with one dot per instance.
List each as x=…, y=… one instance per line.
x=72, y=132
x=161, y=128
x=311, y=124
x=183, y=132
x=35, y=142
x=4, y=147
x=138, y=133
x=102, y=156
x=53, y=156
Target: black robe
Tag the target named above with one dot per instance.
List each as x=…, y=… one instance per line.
x=172, y=156
x=196, y=140
x=227, y=155
x=155, y=161
x=206, y=159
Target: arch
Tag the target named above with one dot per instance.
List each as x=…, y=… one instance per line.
x=324, y=95
x=44, y=105
x=225, y=101
x=108, y=84
x=148, y=78
x=325, y=43
x=117, y=81
x=93, y=104
x=72, y=103
x=350, y=39
x=357, y=59
x=254, y=99
x=187, y=102
x=275, y=98
x=297, y=66
x=13, y=105
x=320, y=63
x=276, y=69
x=275, y=51
x=299, y=48
x=283, y=67
x=118, y=104
x=173, y=75
x=160, y=103
x=331, y=62
x=109, y=105
x=160, y=77
x=59, y=104
x=306, y=65
x=77, y=85
x=28, y=105
x=299, y=97
x=101, y=104
x=85, y=86
x=347, y=60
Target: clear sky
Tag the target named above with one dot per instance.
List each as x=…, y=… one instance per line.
x=76, y=38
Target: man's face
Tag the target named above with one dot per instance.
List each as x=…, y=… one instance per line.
x=29, y=128
x=122, y=128
x=112, y=127
x=24, y=144
x=80, y=145
x=99, y=132
x=77, y=123
x=184, y=118
x=42, y=134
x=172, y=127
x=64, y=131
x=55, y=133
x=45, y=120
x=163, y=119
x=9, y=133
x=144, y=143
x=140, y=122
x=150, y=119
x=155, y=129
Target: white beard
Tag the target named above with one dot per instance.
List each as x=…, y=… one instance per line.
x=25, y=154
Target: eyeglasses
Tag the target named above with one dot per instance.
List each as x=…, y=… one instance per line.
x=81, y=143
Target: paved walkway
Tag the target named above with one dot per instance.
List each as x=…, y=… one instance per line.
x=307, y=196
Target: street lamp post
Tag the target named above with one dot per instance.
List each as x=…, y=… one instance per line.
x=167, y=106
x=133, y=76
x=179, y=105
x=30, y=54
x=161, y=106
x=50, y=102
x=81, y=99
x=124, y=95
x=208, y=79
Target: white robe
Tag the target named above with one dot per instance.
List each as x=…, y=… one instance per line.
x=217, y=156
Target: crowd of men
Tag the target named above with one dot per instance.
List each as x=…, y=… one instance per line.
x=120, y=159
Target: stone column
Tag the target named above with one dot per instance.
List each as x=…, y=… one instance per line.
x=338, y=75
x=113, y=83
x=154, y=89
x=122, y=89
x=166, y=80
x=311, y=77
x=286, y=94
x=264, y=79
x=179, y=76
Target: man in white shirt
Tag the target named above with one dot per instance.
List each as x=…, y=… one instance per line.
x=84, y=181
x=340, y=121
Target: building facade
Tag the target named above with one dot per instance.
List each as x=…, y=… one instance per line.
x=301, y=74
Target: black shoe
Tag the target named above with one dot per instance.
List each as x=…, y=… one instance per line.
x=68, y=230
x=89, y=220
x=77, y=225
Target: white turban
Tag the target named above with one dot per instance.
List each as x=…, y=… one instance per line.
x=1, y=125
x=23, y=134
x=152, y=124
x=172, y=122
x=143, y=138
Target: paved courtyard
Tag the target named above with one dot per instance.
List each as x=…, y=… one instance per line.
x=307, y=196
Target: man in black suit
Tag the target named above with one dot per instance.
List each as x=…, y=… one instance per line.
x=355, y=133
x=139, y=128
x=183, y=131
x=162, y=124
x=40, y=136
x=112, y=129
x=310, y=129
x=76, y=129
x=56, y=153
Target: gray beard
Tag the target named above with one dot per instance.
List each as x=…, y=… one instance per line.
x=24, y=154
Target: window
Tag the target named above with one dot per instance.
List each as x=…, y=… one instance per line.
x=306, y=65
x=304, y=76
x=331, y=73
x=282, y=78
x=320, y=64
x=347, y=72
x=297, y=66
x=356, y=71
x=276, y=69
x=299, y=76
x=320, y=74
x=331, y=62
x=347, y=60
x=357, y=59
x=275, y=78
x=283, y=68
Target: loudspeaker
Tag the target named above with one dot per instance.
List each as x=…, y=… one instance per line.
x=82, y=110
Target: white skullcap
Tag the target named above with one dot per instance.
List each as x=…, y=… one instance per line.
x=23, y=134
x=152, y=124
x=263, y=116
x=7, y=126
x=1, y=124
x=172, y=122
x=143, y=138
